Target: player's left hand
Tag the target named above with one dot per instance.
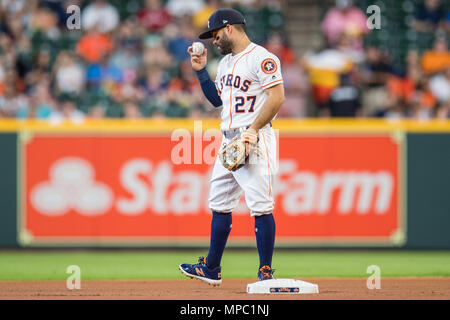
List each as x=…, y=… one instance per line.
x=250, y=136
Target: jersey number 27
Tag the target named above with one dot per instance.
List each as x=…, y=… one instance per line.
x=240, y=101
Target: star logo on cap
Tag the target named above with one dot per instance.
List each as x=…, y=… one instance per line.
x=224, y=21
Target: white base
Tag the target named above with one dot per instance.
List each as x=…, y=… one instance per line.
x=290, y=286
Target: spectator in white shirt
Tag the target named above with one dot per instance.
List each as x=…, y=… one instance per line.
x=101, y=14
x=69, y=75
x=440, y=86
x=179, y=8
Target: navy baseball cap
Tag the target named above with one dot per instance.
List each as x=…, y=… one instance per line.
x=220, y=19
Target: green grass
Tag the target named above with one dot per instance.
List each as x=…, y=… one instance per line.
x=52, y=265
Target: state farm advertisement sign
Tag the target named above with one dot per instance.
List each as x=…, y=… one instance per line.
x=330, y=189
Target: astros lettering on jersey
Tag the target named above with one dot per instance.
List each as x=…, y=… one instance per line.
x=241, y=80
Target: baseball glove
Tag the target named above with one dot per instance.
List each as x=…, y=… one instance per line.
x=235, y=154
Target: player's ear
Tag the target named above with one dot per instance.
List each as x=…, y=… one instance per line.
x=229, y=28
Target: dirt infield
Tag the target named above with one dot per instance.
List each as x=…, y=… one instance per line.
x=187, y=289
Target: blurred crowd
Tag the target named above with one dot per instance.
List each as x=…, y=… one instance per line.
x=129, y=59
x=351, y=78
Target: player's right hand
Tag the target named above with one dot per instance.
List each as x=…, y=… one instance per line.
x=198, y=61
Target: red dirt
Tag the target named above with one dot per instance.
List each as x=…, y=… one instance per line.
x=437, y=288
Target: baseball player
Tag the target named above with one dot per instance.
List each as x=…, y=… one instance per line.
x=249, y=88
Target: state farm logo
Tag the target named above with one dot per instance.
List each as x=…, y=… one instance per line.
x=156, y=188
x=72, y=186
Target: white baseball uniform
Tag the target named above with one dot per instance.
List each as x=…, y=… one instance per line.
x=241, y=81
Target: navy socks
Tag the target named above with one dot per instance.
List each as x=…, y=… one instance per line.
x=220, y=229
x=265, y=238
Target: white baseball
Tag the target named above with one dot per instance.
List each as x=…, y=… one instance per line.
x=197, y=48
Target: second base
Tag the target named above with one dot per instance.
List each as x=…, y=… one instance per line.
x=282, y=286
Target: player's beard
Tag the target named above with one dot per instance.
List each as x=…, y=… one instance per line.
x=224, y=44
